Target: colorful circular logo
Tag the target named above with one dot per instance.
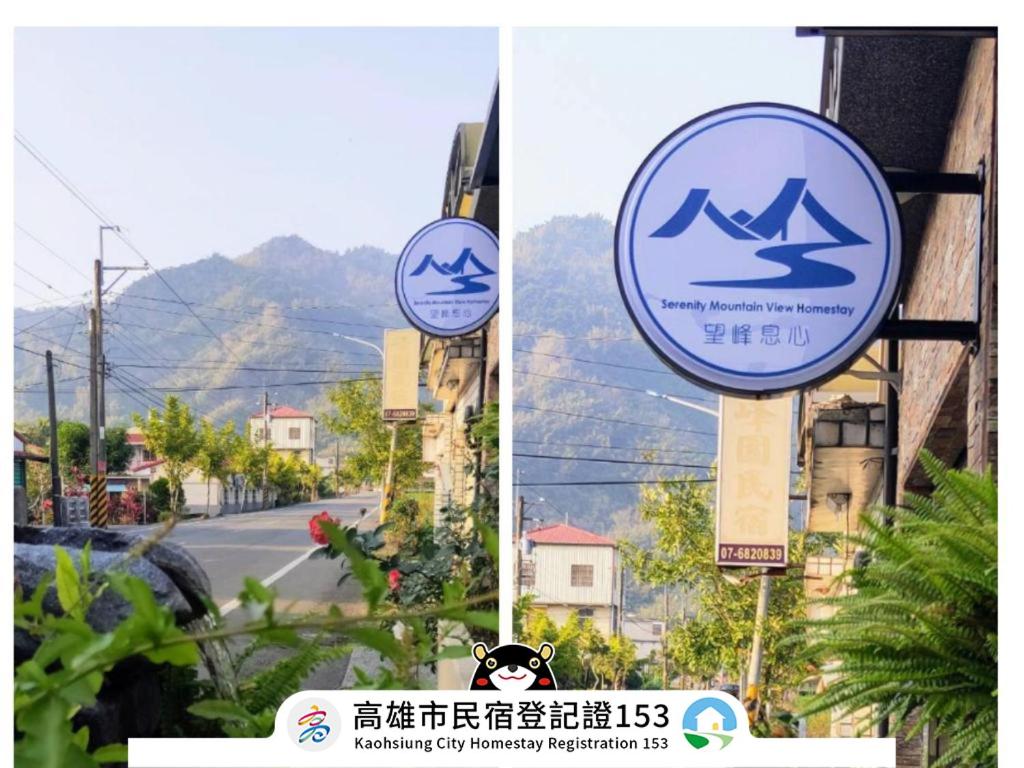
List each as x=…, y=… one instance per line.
x=313, y=724
x=758, y=249
x=709, y=723
x=446, y=281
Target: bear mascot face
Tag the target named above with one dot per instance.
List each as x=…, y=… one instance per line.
x=513, y=667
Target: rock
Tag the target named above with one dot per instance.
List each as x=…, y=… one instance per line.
x=130, y=701
x=176, y=562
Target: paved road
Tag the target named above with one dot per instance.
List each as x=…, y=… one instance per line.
x=272, y=546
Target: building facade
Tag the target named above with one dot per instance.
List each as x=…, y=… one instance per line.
x=925, y=103
x=568, y=570
x=287, y=430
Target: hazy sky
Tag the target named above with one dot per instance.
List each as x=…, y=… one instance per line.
x=591, y=103
x=216, y=140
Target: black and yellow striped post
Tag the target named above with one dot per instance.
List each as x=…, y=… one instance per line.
x=99, y=502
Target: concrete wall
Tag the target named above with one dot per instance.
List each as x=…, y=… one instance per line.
x=949, y=391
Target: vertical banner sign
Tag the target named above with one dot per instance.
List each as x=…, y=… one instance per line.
x=446, y=280
x=752, y=527
x=400, y=400
x=758, y=249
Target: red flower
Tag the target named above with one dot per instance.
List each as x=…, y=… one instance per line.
x=394, y=578
x=315, y=532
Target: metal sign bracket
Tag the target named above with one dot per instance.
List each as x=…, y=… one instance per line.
x=964, y=331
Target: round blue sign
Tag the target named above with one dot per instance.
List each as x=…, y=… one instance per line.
x=446, y=280
x=758, y=249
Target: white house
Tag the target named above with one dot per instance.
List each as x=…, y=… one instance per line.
x=568, y=569
x=647, y=635
x=710, y=720
x=291, y=431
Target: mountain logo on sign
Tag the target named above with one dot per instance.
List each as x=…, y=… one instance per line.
x=772, y=222
x=456, y=270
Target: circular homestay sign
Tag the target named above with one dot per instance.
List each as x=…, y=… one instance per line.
x=758, y=249
x=446, y=280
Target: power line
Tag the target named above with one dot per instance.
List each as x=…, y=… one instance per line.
x=611, y=461
x=661, y=371
x=218, y=367
x=57, y=359
x=690, y=481
x=613, y=421
x=39, y=279
x=250, y=323
x=276, y=385
x=48, y=249
x=601, y=384
x=106, y=221
x=121, y=296
x=573, y=338
x=241, y=342
x=637, y=448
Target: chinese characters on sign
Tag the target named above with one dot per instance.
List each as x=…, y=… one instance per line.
x=753, y=482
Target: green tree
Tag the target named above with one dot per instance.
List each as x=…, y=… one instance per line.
x=310, y=476
x=171, y=435
x=683, y=556
x=916, y=633
x=72, y=447
x=248, y=461
x=119, y=453
x=214, y=450
x=616, y=663
x=357, y=412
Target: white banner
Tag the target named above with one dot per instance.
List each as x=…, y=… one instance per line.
x=531, y=728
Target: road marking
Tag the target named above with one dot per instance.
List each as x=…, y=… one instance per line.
x=230, y=605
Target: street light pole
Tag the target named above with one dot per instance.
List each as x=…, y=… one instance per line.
x=389, y=473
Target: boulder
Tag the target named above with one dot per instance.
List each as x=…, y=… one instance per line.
x=129, y=704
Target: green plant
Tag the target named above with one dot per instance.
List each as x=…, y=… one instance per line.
x=72, y=660
x=67, y=670
x=158, y=498
x=916, y=633
x=251, y=714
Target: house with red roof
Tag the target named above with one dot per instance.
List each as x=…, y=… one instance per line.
x=287, y=430
x=571, y=570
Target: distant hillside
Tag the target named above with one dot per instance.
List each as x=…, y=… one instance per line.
x=567, y=305
x=280, y=311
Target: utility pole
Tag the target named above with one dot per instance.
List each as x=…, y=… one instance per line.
x=266, y=455
x=389, y=475
x=518, y=561
x=752, y=702
x=58, y=517
x=664, y=644
x=337, y=469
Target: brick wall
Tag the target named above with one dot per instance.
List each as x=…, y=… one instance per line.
x=949, y=391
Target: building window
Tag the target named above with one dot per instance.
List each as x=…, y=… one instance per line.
x=294, y=433
x=527, y=574
x=656, y=629
x=259, y=433
x=584, y=615
x=582, y=576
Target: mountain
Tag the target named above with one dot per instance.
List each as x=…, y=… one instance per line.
x=568, y=310
x=271, y=317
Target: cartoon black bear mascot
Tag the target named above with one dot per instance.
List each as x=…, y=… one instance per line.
x=513, y=667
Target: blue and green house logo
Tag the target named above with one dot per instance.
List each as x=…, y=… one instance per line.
x=708, y=723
